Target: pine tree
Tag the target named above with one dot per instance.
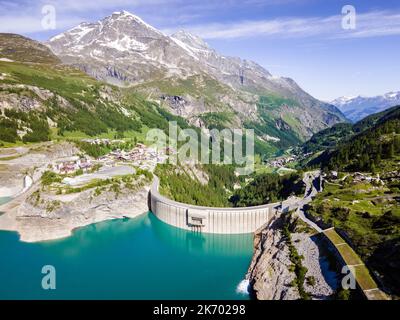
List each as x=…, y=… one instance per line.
x=391, y=149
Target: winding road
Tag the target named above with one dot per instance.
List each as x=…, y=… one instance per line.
x=313, y=186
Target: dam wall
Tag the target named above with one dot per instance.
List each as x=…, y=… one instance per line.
x=210, y=219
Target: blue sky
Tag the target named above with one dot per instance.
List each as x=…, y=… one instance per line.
x=301, y=39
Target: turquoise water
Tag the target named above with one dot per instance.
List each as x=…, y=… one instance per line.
x=140, y=258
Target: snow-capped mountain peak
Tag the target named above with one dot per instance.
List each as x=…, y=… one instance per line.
x=356, y=108
x=393, y=95
x=127, y=16
x=122, y=48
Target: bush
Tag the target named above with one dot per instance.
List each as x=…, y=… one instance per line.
x=310, y=281
x=8, y=130
x=8, y=135
x=342, y=214
x=386, y=223
x=93, y=150
x=50, y=177
x=147, y=174
x=342, y=294
x=78, y=172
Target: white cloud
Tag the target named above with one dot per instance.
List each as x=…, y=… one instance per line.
x=100, y=5
x=376, y=24
x=25, y=17
x=372, y=24
x=30, y=24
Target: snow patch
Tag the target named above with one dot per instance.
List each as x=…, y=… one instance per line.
x=392, y=95
x=6, y=60
x=57, y=37
x=125, y=44
x=79, y=34
x=185, y=47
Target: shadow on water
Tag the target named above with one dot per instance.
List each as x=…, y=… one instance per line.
x=201, y=243
x=141, y=258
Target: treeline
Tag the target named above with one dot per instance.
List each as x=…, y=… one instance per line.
x=268, y=188
x=101, y=149
x=92, y=122
x=217, y=120
x=178, y=184
x=8, y=130
x=93, y=150
x=365, y=151
x=13, y=121
x=328, y=138
x=181, y=185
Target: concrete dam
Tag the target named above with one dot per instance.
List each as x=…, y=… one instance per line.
x=210, y=219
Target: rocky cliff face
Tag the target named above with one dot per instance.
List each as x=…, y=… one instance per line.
x=39, y=214
x=269, y=273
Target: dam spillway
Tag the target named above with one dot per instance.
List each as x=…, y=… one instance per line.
x=210, y=219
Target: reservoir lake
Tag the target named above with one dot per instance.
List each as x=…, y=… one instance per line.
x=141, y=258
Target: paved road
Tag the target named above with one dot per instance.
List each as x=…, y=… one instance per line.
x=311, y=180
x=102, y=174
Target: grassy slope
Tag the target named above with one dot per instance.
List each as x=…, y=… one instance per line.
x=91, y=115
x=221, y=116
x=368, y=213
x=375, y=148
x=19, y=48
x=342, y=132
x=368, y=216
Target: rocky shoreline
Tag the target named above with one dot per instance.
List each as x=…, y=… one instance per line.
x=35, y=224
x=39, y=214
x=271, y=275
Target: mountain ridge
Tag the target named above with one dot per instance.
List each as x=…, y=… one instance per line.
x=20, y=48
x=43, y=100
x=122, y=49
x=358, y=107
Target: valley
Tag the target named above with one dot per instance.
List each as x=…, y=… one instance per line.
x=77, y=114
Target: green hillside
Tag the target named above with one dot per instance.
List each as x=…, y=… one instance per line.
x=223, y=107
x=375, y=148
x=362, y=199
x=328, y=138
x=46, y=100
x=18, y=48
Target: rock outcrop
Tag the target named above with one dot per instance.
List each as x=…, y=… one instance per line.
x=269, y=275
x=64, y=214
